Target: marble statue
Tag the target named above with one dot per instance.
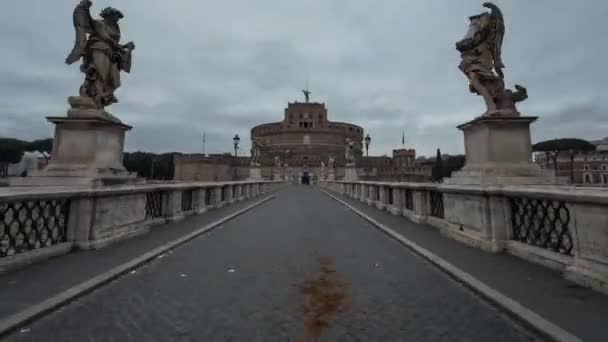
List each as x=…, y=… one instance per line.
x=256, y=151
x=481, y=53
x=331, y=163
x=103, y=57
x=277, y=161
x=349, y=154
x=323, y=164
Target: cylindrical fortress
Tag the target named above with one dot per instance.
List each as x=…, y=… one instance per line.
x=306, y=137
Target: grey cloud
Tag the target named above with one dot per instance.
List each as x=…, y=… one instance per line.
x=389, y=67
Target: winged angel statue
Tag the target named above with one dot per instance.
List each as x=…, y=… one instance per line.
x=256, y=151
x=103, y=57
x=481, y=53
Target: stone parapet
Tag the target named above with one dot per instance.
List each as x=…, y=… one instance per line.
x=562, y=228
x=89, y=218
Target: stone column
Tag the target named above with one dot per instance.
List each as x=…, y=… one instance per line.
x=79, y=222
x=199, y=200
x=247, y=191
x=174, y=205
x=218, y=197
x=397, y=207
x=371, y=198
x=381, y=202
x=230, y=194
x=421, y=210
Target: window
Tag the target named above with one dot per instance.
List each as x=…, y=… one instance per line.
x=586, y=167
x=588, y=179
x=604, y=179
x=604, y=167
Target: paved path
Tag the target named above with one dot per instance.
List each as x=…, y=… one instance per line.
x=581, y=311
x=33, y=284
x=298, y=266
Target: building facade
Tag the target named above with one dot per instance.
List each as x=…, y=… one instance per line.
x=589, y=168
x=306, y=137
x=304, y=141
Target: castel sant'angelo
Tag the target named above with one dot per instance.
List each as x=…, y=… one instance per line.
x=306, y=137
x=301, y=145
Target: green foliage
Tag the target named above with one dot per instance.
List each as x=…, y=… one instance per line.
x=11, y=150
x=150, y=165
x=567, y=144
x=453, y=163
x=437, y=172
x=42, y=145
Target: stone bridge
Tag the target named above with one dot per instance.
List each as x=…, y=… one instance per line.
x=337, y=261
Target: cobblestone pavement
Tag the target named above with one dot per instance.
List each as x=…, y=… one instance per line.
x=296, y=267
x=581, y=311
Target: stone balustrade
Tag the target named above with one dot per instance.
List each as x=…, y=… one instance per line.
x=42, y=222
x=562, y=228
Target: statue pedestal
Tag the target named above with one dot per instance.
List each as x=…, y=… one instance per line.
x=255, y=173
x=499, y=152
x=87, y=151
x=277, y=174
x=331, y=174
x=350, y=173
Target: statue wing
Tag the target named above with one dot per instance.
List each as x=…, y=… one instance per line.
x=498, y=26
x=83, y=25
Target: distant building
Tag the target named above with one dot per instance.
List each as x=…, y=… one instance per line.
x=304, y=140
x=590, y=168
x=306, y=137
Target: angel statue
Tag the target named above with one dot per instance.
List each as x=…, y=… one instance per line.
x=103, y=57
x=331, y=163
x=256, y=151
x=277, y=161
x=481, y=53
x=350, y=151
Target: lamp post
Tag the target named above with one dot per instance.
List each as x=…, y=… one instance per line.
x=368, y=140
x=236, y=141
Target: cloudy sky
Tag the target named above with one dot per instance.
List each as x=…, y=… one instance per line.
x=221, y=67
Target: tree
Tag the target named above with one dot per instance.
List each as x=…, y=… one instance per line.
x=11, y=150
x=42, y=145
x=552, y=149
x=437, y=172
x=451, y=164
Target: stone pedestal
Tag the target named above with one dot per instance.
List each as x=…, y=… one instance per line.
x=499, y=152
x=331, y=174
x=255, y=173
x=350, y=173
x=87, y=151
x=277, y=174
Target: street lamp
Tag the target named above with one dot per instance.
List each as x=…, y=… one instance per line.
x=236, y=141
x=368, y=139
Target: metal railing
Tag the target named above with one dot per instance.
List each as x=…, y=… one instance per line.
x=187, y=196
x=542, y=223
x=436, y=199
x=154, y=204
x=34, y=224
x=409, y=199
